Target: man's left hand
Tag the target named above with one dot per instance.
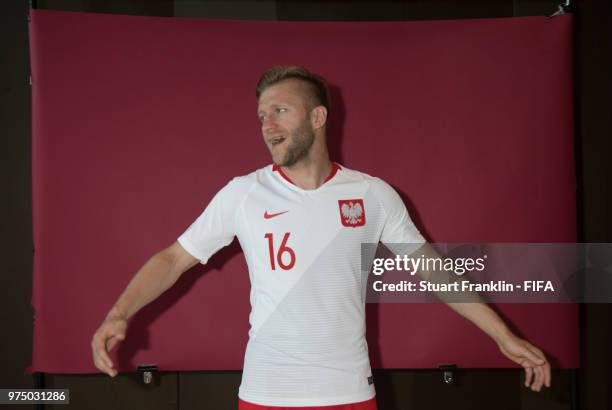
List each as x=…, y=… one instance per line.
x=537, y=368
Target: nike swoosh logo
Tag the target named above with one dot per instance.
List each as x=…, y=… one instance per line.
x=268, y=216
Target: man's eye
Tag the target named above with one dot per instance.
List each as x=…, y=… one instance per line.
x=281, y=109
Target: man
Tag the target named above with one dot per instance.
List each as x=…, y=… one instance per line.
x=300, y=223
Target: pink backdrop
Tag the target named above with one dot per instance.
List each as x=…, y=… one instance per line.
x=138, y=121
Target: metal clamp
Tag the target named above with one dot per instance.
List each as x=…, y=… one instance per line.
x=562, y=9
x=448, y=373
x=147, y=372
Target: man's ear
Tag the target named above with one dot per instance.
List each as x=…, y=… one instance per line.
x=318, y=117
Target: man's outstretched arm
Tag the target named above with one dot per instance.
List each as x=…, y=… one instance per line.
x=532, y=359
x=158, y=274
x=473, y=308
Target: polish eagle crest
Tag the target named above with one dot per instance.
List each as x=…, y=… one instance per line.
x=352, y=212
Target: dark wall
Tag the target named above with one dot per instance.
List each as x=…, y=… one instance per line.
x=16, y=313
x=398, y=389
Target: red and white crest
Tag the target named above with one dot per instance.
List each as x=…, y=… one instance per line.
x=352, y=212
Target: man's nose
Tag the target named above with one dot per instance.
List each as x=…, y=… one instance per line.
x=269, y=124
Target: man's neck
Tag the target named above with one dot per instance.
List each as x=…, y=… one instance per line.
x=309, y=173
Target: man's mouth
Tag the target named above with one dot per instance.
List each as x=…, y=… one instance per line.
x=276, y=141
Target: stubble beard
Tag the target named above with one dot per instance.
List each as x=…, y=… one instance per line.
x=301, y=140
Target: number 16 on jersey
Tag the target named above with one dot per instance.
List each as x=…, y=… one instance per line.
x=278, y=256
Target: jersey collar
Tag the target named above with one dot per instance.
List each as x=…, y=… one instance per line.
x=335, y=167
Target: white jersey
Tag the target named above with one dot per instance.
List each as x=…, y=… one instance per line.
x=307, y=343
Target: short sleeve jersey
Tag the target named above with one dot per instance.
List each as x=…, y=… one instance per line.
x=307, y=343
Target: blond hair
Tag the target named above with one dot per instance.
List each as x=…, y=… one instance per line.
x=316, y=86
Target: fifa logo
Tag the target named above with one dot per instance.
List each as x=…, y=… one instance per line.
x=352, y=212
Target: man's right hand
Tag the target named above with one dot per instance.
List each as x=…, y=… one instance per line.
x=112, y=331
x=158, y=274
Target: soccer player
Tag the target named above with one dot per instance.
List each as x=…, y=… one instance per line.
x=300, y=222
